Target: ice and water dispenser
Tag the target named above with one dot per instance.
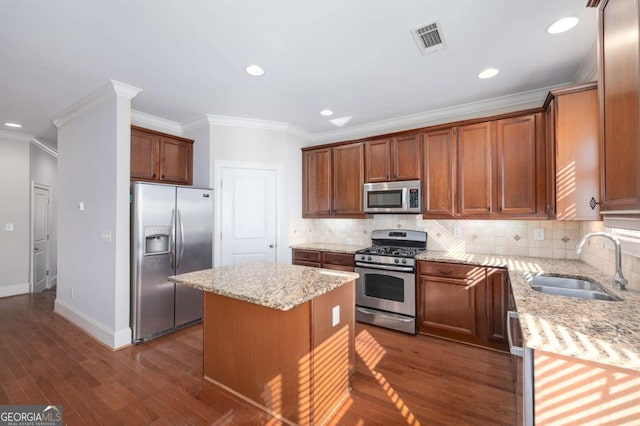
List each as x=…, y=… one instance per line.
x=156, y=240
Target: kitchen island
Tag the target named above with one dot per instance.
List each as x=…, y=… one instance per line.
x=279, y=336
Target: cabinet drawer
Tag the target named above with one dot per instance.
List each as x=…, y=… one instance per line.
x=306, y=263
x=342, y=259
x=451, y=270
x=308, y=255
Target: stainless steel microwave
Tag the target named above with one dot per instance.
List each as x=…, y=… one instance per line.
x=393, y=197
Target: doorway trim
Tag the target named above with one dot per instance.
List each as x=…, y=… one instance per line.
x=217, y=228
x=48, y=280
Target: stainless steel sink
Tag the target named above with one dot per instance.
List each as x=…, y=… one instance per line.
x=571, y=287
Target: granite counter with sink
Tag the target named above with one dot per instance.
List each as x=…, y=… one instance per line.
x=607, y=332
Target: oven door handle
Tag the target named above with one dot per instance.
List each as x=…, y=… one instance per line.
x=385, y=267
x=396, y=317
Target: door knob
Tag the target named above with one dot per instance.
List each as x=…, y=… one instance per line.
x=271, y=246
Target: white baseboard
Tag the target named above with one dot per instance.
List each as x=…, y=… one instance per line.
x=12, y=290
x=113, y=338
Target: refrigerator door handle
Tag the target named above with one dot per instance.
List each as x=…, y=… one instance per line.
x=172, y=239
x=179, y=259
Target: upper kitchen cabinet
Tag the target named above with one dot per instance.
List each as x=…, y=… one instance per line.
x=438, y=173
x=619, y=46
x=475, y=169
x=348, y=180
x=316, y=183
x=520, y=186
x=332, y=181
x=573, y=131
x=501, y=168
x=159, y=157
x=392, y=159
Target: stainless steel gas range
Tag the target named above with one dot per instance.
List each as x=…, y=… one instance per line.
x=386, y=288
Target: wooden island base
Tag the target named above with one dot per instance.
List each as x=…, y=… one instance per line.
x=294, y=364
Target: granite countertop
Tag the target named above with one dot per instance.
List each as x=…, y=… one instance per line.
x=273, y=285
x=594, y=330
x=335, y=248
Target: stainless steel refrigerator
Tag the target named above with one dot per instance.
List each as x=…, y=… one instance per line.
x=171, y=233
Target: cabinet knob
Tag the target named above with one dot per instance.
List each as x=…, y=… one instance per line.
x=153, y=176
x=489, y=209
x=162, y=177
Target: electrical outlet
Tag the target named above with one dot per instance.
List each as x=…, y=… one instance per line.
x=105, y=236
x=336, y=316
x=8, y=227
x=538, y=234
x=457, y=231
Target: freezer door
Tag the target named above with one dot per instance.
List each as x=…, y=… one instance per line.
x=152, y=296
x=194, y=232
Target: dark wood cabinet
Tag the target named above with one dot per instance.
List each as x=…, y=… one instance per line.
x=161, y=157
x=475, y=169
x=332, y=181
x=464, y=303
x=348, y=180
x=573, y=133
x=324, y=259
x=438, y=173
x=619, y=56
x=517, y=166
x=392, y=159
x=317, y=192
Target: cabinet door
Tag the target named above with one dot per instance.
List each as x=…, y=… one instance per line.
x=517, y=165
x=577, y=173
x=378, y=160
x=619, y=98
x=316, y=182
x=475, y=179
x=438, y=178
x=348, y=180
x=497, y=302
x=144, y=155
x=406, y=158
x=176, y=157
x=447, y=304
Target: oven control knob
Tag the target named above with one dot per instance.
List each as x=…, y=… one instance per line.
x=396, y=260
x=362, y=257
x=368, y=257
x=404, y=260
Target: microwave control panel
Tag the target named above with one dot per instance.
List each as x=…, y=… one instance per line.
x=414, y=201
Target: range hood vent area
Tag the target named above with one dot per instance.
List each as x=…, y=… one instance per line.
x=429, y=37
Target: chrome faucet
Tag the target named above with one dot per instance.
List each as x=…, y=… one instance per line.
x=619, y=281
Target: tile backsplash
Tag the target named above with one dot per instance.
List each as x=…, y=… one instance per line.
x=492, y=237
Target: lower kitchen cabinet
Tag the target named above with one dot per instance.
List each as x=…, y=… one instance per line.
x=324, y=259
x=463, y=302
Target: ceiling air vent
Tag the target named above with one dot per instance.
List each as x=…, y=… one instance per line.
x=429, y=37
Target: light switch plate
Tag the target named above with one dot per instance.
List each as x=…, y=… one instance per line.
x=105, y=236
x=81, y=206
x=336, y=316
x=457, y=231
x=8, y=227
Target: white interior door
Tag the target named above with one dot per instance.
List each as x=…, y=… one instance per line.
x=40, y=238
x=248, y=209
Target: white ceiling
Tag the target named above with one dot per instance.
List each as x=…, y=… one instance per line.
x=356, y=57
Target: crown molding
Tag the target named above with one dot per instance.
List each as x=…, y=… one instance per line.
x=149, y=121
x=15, y=136
x=89, y=101
x=43, y=146
x=247, y=123
x=487, y=107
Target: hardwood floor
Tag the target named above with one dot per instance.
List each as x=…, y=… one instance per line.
x=399, y=379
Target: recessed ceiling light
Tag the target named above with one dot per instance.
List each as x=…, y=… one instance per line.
x=13, y=125
x=326, y=112
x=488, y=73
x=562, y=25
x=254, y=70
